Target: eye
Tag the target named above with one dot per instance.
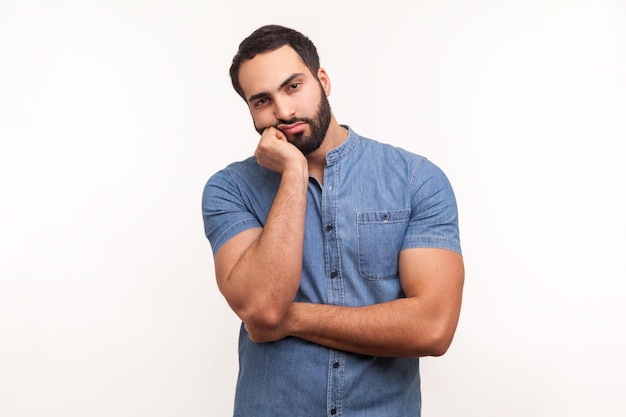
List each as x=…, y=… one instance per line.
x=261, y=102
x=294, y=86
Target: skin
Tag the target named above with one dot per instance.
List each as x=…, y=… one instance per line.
x=279, y=87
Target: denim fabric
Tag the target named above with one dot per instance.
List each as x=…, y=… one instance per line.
x=376, y=200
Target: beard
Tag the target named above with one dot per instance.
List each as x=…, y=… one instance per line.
x=318, y=125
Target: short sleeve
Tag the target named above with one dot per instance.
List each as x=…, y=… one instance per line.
x=434, y=215
x=223, y=210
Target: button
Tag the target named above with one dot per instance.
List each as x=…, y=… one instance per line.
x=329, y=227
x=336, y=365
x=385, y=217
x=333, y=274
x=333, y=411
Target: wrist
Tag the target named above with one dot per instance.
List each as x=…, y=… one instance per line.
x=297, y=172
x=292, y=322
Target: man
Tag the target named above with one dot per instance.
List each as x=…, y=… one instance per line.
x=340, y=254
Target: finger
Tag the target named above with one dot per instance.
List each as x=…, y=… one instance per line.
x=275, y=133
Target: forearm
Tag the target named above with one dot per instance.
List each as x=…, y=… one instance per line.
x=264, y=280
x=422, y=324
x=400, y=328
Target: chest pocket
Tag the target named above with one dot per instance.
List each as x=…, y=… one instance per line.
x=379, y=239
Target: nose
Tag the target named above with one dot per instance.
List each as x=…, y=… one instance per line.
x=284, y=108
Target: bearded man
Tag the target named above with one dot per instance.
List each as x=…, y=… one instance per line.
x=340, y=254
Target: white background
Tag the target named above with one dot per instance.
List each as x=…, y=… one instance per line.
x=113, y=114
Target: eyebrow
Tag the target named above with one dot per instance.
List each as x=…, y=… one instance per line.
x=280, y=87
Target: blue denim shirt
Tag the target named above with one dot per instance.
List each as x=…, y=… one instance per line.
x=376, y=200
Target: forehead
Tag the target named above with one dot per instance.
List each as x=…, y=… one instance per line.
x=265, y=72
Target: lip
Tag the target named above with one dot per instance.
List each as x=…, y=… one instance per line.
x=292, y=128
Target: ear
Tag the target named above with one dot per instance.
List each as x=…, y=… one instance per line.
x=324, y=80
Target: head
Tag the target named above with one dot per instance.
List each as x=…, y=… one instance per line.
x=276, y=71
x=269, y=38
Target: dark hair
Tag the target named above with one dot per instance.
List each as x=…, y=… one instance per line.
x=269, y=38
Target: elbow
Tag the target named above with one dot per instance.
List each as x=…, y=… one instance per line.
x=259, y=312
x=439, y=348
x=262, y=317
x=436, y=343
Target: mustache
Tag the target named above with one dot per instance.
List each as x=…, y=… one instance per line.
x=292, y=121
x=285, y=122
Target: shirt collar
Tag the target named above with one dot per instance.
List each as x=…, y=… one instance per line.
x=343, y=149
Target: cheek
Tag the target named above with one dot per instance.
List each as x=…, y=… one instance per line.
x=261, y=120
x=314, y=100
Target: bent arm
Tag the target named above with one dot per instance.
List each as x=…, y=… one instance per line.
x=258, y=271
x=422, y=324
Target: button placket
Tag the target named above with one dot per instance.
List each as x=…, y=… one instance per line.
x=334, y=283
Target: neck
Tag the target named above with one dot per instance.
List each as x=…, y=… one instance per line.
x=335, y=136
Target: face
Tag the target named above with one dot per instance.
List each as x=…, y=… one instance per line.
x=281, y=92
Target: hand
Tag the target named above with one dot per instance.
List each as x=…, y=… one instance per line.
x=276, y=153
